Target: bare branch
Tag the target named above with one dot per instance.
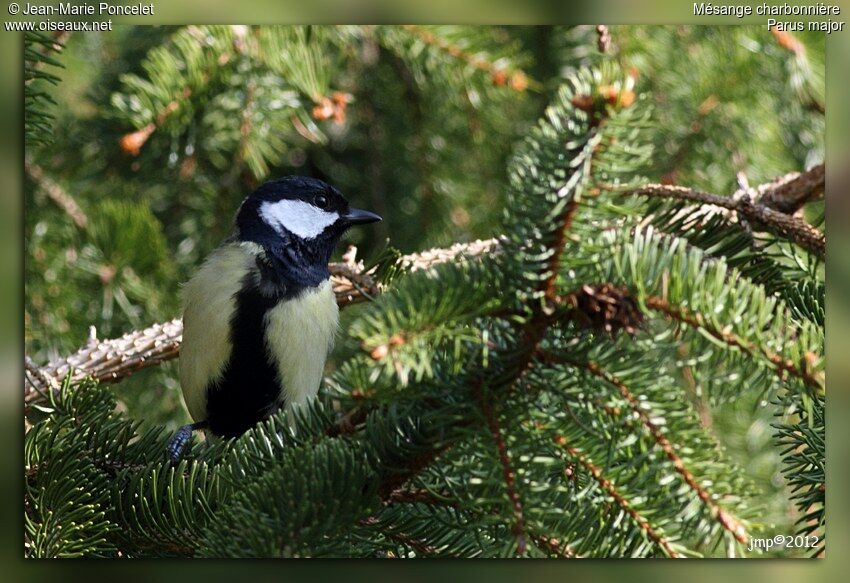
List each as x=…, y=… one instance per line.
x=57, y=194
x=787, y=194
x=426, y=259
x=757, y=215
x=603, y=40
x=111, y=360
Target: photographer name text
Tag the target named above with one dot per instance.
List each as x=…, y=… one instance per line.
x=99, y=9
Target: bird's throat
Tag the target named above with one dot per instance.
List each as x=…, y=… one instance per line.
x=295, y=265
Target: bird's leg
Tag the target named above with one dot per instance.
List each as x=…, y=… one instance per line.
x=181, y=438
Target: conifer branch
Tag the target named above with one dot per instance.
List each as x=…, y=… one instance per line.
x=132, y=142
x=39, y=50
x=36, y=58
x=420, y=547
x=508, y=473
x=659, y=539
x=557, y=250
x=697, y=321
x=403, y=473
x=418, y=496
x=515, y=79
x=552, y=546
x=757, y=214
x=726, y=520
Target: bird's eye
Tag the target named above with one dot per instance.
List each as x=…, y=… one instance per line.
x=321, y=201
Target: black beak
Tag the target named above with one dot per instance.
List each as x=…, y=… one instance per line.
x=360, y=217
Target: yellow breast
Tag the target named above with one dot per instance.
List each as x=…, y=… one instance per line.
x=299, y=335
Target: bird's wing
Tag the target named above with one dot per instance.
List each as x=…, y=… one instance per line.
x=209, y=300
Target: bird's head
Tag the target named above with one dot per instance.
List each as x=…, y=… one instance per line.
x=298, y=211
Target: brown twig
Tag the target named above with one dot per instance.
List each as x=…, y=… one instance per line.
x=756, y=214
x=552, y=546
x=405, y=472
x=726, y=520
x=111, y=360
x=558, y=248
x=787, y=194
x=612, y=491
x=418, y=496
x=603, y=40
x=57, y=194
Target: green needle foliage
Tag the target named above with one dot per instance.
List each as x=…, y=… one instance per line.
x=39, y=60
x=552, y=398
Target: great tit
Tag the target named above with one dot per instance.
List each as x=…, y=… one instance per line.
x=259, y=315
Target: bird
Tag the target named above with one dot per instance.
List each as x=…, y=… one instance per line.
x=259, y=315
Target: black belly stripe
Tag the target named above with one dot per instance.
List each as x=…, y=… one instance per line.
x=249, y=390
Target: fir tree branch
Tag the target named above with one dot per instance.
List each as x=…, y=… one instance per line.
x=404, y=473
x=516, y=79
x=726, y=520
x=132, y=142
x=38, y=51
x=48, y=45
x=508, y=473
x=557, y=250
x=758, y=215
x=697, y=321
x=612, y=491
x=418, y=496
x=552, y=546
x=186, y=75
x=421, y=548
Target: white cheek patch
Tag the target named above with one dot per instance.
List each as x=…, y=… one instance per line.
x=297, y=217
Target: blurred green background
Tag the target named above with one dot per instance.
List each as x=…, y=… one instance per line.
x=759, y=124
